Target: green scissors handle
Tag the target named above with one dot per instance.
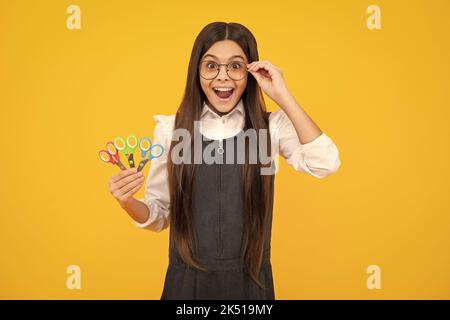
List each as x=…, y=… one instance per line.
x=127, y=147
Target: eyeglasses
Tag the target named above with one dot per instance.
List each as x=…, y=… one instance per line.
x=235, y=70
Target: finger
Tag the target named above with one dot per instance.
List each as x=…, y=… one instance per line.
x=251, y=64
x=130, y=193
x=123, y=174
x=268, y=62
x=259, y=65
x=256, y=75
x=264, y=66
x=130, y=186
x=115, y=186
x=123, y=182
x=261, y=74
x=273, y=66
x=133, y=190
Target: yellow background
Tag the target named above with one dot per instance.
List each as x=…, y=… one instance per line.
x=381, y=95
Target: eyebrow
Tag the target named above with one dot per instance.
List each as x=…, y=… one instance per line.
x=232, y=57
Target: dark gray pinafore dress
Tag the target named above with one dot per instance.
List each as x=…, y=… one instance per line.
x=218, y=229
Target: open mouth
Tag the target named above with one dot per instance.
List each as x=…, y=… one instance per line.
x=223, y=93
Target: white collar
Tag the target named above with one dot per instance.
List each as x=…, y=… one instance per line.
x=206, y=109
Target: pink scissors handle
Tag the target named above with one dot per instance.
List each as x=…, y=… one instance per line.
x=114, y=157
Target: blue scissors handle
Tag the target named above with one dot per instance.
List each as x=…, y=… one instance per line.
x=153, y=150
x=145, y=149
x=156, y=150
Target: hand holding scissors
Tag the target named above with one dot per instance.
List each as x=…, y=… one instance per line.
x=111, y=154
x=154, y=150
x=127, y=147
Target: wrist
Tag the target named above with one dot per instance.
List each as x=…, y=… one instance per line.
x=286, y=99
x=127, y=203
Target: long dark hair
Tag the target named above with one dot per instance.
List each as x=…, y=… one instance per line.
x=255, y=187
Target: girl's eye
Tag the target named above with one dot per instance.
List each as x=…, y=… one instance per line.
x=235, y=65
x=211, y=65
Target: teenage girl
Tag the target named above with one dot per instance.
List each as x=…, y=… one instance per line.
x=220, y=214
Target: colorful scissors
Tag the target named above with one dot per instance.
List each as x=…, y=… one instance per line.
x=111, y=154
x=154, y=150
x=127, y=147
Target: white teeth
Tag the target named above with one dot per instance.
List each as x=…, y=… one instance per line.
x=223, y=89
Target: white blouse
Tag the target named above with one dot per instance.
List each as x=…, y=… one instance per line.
x=318, y=158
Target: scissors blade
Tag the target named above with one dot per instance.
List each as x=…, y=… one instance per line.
x=131, y=161
x=142, y=164
x=120, y=164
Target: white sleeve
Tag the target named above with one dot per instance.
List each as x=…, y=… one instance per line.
x=318, y=158
x=157, y=197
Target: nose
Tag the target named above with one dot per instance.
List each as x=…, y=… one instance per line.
x=222, y=73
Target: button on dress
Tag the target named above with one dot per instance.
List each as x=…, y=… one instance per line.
x=218, y=222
